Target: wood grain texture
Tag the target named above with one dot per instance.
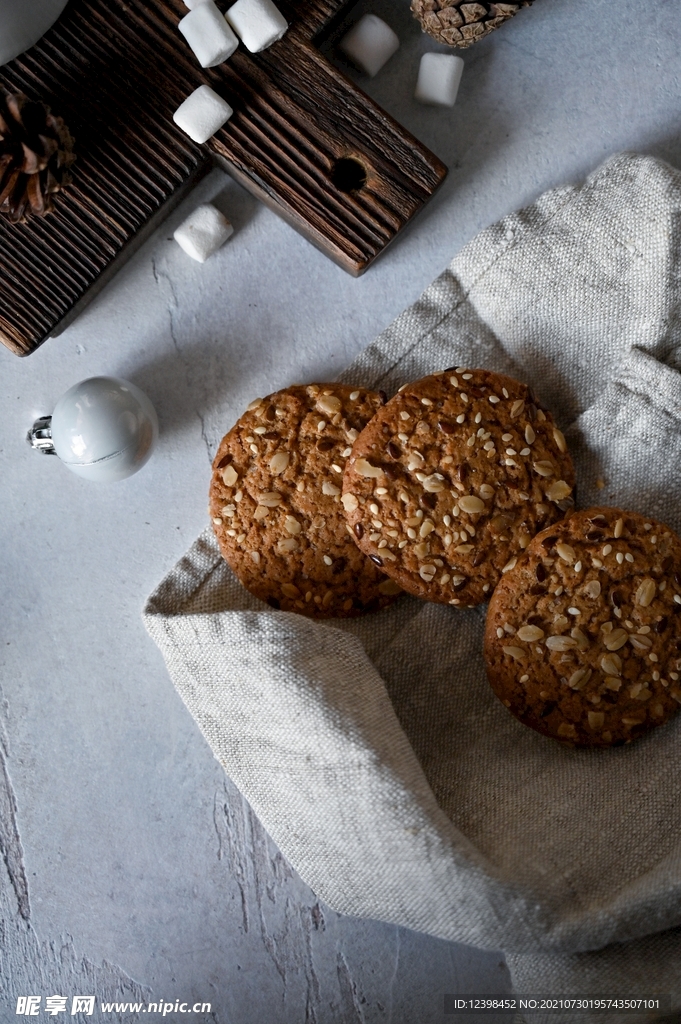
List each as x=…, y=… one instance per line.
x=115, y=70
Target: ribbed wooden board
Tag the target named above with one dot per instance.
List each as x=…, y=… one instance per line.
x=115, y=70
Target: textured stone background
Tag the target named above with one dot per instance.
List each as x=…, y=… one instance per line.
x=130, y=867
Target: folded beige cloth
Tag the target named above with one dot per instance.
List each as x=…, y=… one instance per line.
x=373, y=750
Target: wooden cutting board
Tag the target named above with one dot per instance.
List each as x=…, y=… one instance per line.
x=303, y=139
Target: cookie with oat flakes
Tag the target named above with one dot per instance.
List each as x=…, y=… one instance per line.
x=450, y=481
x=275, y=502
x=583, y=635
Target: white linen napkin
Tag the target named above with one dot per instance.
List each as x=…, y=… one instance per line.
x=373, y=750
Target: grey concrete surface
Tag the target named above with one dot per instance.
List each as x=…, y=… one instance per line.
x=131, y=868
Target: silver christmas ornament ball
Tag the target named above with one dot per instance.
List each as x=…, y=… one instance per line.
x=103, y=429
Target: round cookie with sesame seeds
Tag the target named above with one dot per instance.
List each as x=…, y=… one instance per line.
x=583, y=635
x=275, y=502
x=450, y=481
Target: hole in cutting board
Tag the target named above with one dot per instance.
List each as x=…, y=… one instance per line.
x=348, y=175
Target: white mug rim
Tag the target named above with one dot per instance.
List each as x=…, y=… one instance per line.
x=23, y=23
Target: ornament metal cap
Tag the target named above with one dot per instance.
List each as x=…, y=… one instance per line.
x=40, y=436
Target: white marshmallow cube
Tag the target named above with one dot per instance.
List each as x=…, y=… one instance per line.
x=191, y=4
x=439, y=77
x=208, y=34
x=202, y=113
x=370, y=44
x=258, y=23
x=203, y=232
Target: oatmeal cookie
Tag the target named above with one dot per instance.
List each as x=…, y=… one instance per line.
x=583, y=635
x=275, y=502
x=450, y=481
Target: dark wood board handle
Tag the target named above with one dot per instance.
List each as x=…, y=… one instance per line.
x=303, y=139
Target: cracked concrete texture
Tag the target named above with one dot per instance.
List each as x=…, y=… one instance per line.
x=118, y=830
x=31, y=965
x=10, y=840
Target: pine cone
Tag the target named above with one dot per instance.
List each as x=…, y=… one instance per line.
x=460, y=23
x=36, y=151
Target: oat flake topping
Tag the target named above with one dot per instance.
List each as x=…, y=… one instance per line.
x=463, y=468
x=606, y=666
x=275, y=502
